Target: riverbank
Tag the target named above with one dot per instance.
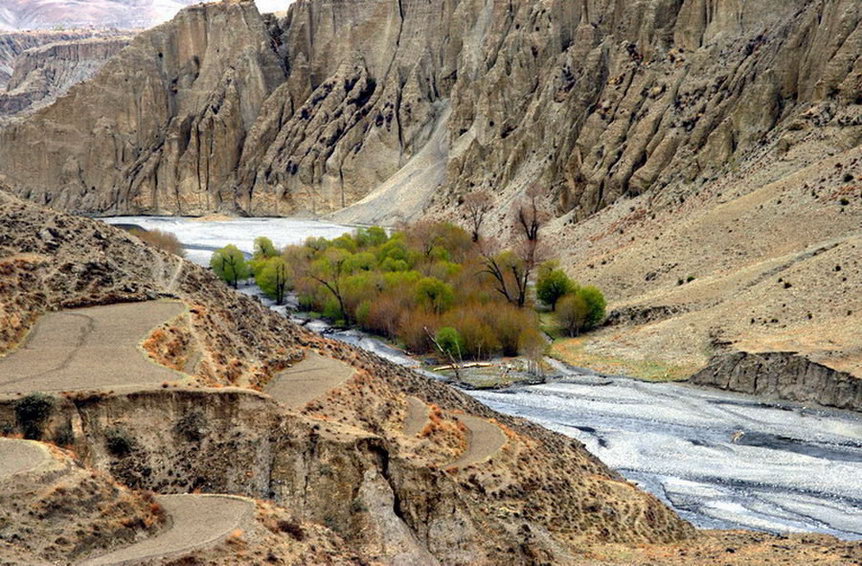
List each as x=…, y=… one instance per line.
x=792, y=469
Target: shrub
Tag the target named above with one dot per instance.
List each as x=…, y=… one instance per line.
x=572, y=313
x=383, y=316
x=191, y=426
x=596, y=305
x=451, y=342
x=480, y=339
x=434, y=294
x=390, y=264
x=32, y=412
x=118, y=442
x=508, y=321
x=371, y=237
x=64, y=435
x=264, y=248
x=293, y=528
x=162, y=240
x=412, y=331
x=553, y=284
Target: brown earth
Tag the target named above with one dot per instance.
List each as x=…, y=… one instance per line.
x=334, y=461
x=91, y=348
x=342, y=461
x=54, y=510
x=699, y=161
x=773, y=251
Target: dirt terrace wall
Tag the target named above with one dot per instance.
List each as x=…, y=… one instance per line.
x=783, y=375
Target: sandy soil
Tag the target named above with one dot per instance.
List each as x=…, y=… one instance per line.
x=196, y=521
x=417, y=416
x=60, y=352
x=307, y=380
x=18, y=456
x=483, y=441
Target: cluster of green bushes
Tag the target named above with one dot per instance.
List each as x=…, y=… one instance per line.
x=577, y=308
x=431, y=287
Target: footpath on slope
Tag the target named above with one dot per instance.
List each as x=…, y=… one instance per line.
x=484, y=439
x=98, y=348
x=18, y=456
x=89, y=348
x=196, y=521
x=308, y=380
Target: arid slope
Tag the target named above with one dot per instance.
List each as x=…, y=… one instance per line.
x=534, y=497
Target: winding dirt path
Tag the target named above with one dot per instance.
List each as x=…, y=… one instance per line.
x=309, y=379
x=197, y=521
x=484, y=439
x=417, y=416
x=98, y=348
x=89, y=348
x=18, y=456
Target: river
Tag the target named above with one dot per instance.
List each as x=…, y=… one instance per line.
x=719, y=459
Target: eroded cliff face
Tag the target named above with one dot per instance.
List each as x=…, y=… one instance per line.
x=337, y=101
x=41, y=74
x=12, y=44
x=783, y=375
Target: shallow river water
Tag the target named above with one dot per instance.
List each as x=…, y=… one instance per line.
x=721, y=460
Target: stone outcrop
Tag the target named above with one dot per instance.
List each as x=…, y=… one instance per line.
x=783, y=375
x=43, y=73
x=595, y=101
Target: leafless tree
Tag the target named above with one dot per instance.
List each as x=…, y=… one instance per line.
x=478, y=205
x=512, y=269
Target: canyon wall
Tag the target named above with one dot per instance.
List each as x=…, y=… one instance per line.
x=595, y=101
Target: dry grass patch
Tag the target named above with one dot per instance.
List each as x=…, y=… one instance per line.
x=576, y=352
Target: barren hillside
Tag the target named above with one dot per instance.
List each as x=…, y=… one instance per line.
x=535, y=493
x=372, y=464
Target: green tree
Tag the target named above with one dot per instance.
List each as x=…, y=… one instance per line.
x=572, y=312
x=264, y=248
x=596, y=306
x=230, y=265
x=329, y=270
x=553, y=284
x=371, y=237
x=434, y=294
x=273, y=279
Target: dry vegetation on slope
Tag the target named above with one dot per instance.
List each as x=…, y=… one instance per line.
x=775, y=252
x=535, y=498
x=343, y=464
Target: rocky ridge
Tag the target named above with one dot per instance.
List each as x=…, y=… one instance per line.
x=12, y=44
